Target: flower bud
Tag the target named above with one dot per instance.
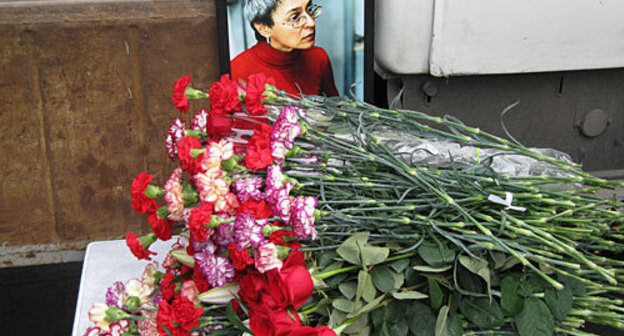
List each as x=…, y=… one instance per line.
x=147, y=240
x=220, y=295
x=181, y=256
x=229, y=165
x=196, y=151
x=153, y=192
x=115, y=314
x=132, y=303
x=282, y=252
x=191, y=93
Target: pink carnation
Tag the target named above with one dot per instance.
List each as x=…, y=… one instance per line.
x=266, y=258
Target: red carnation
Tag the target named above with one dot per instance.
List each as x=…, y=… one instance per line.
x=185, y=313
x=200, y=281
x=168, y=286
x=258, y=209
x=224, y=96
x=184, y=151
x=164, y=319
x=162, y=227
x=240, y=259
x=200, y=216
x=140, y=202
x=285, y=238
x=252, y=285
x=255, y=88
x=259, y=149
x=139, y=246
x=219, y=124
x=179, y=99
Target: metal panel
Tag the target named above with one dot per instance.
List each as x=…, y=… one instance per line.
x=553, y=108
x=450, y=38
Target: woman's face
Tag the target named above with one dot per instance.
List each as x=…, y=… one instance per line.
x=283, y=35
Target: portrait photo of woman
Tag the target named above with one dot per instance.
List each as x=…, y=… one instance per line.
x=285, y=40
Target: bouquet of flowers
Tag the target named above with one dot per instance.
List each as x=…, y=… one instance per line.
x=321, y=216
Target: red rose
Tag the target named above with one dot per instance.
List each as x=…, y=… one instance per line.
x=200, y=281
x=167, y=286
x=179, y=99
x=224, y=96
x=255, y=89
x=275, y=294
x=219, y=125
x=297, y=281
x=258, y=209
x=185, y=313
x=139, y=248
x=266, y=322
x=259, y=149
x=184, y=151
x=240, y=259
x=141, y=203
x=162, y=227
x=311, y=331
x=200, y=216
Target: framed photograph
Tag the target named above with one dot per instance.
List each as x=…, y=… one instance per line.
x=343, y=29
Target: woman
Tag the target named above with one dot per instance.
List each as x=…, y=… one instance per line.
x=285, y=30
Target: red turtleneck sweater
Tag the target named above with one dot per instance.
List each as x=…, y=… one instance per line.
x=308, y=71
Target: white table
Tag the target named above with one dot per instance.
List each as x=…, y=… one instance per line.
x=104, y=263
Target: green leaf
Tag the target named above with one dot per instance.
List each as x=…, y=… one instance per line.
x=421, y=320
x=368, y=307
x=399, y=280
x=482, y=312
x=365, y=287
x=511, y=302
x=455, y=327
x=336, y=318
x=532, y=284
x=326, y=258
x=333, y=266
x=436, y=256
x=409, y=295
x=372, y=255
x=336, y=279
x=441, y=328
x=343, y=305
x=357, y=326
x=429, y=269
x=435, y=293
x=383, y=278
x=400, y=265
x=349, y=250
x=234, y=319
x=559, y=301
x=535, y=319
x=478, y=267
x=348, y=289
x=577, y=287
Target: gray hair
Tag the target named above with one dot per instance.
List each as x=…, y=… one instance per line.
x=261, y=12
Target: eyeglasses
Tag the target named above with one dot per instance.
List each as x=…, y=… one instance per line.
x=298, y=20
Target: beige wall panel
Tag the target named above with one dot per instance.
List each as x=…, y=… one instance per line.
x=25, y=209
x=184, y=48
x=86, y=76
x=85, y=102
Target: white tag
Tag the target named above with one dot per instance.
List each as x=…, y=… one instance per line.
x=506, y=202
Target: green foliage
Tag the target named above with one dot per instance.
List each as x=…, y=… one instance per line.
x=535, y=319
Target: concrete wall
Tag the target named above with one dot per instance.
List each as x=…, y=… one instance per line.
x=85, y=91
